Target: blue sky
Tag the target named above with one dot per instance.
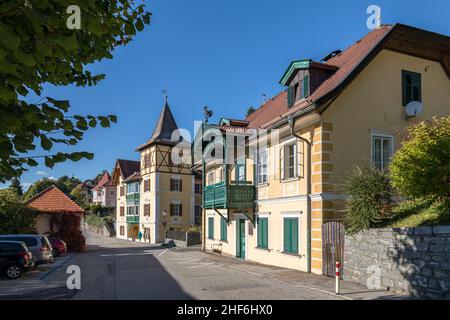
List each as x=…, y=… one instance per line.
x=220, y=53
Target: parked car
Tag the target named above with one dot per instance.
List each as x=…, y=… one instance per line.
x=15, y=258
x=58, y=245
x=37, y=244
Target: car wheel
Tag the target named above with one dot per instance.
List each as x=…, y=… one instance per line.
x=14, y=271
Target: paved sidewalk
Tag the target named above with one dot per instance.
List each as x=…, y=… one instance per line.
x=323, y=284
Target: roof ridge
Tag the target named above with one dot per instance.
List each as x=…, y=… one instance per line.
x=40, y=193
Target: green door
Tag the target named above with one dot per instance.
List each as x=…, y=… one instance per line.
x=240, y=236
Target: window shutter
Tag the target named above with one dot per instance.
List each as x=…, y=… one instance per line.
x=258, y=231
x=417, y=84
x=296, y=160
x=305, y=86
x=290, y=96
x=171, y=209
x=180, y=185
x=180, y=213
x=282, y=163
x=171, y=185
x=265, y=233
x=287, y=235
x=294, y=235
x=404, y=88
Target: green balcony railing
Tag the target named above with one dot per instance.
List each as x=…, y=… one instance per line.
x=133, y=198
x=132, y=219
x=221, y=196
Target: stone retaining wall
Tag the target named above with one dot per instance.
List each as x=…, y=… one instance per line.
x=413, y=260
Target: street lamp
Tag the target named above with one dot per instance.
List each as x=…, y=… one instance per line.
x=164, y=224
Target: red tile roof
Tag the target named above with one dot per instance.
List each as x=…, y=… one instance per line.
x=276, y=108
x=104, y=181
x=53, y=200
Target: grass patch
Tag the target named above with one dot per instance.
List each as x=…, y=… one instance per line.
x=423, y=212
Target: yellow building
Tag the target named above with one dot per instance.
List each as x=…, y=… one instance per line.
x=336, y=113
x=163, y=194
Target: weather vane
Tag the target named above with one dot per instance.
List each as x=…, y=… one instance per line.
x=208, y=113
x=166, y=96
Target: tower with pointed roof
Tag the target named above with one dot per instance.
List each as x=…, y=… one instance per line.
x=163, y=194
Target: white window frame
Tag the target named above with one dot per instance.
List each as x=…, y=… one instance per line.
x=286, y=160
x=263, y=153
x=386, y=136
x=177, y=184
x=177, y=203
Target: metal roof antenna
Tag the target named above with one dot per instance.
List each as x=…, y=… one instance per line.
x=208, y=113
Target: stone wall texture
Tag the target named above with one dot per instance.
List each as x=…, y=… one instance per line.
x=407, y=260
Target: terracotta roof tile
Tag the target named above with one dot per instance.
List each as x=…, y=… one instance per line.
x=53, y=200
x=276, y=108
x=128, y=167
x=104, y=181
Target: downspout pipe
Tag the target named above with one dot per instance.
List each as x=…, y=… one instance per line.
x=291, y=123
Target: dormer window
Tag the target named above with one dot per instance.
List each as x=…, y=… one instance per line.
x=299, y=90
x=303, y=77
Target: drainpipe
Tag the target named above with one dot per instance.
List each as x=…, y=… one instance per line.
x=291, y=122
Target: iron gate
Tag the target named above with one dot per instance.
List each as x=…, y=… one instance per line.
x=332, y=247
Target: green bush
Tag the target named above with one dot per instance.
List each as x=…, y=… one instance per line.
x=15, y=216
x=94, y=221
x=369, y=197
x=421, y=167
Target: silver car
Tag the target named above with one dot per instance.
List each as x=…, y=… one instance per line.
x=37, y=244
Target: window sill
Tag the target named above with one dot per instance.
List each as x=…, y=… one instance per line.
x=224, y=241
x=291, y=254
x=261, y=185
x=212, y=239
x=290, y=180
x=263, y=249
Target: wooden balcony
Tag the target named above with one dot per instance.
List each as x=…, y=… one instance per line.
x=231, y=196
x=133, y=198
x=132, y=219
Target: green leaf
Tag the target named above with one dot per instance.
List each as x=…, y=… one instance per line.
x=104, y=121
x=139, y=25
x=31, y=162
x=61, y=104
x=49, y=162
x=46, y=144
x=113, y=118
x=93, y=122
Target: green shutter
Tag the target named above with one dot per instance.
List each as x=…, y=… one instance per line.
x=290, y=96
x=294, y=235
x=262, y=233
x=404, y=103
x=411, y=90
x=258, y=231
x=291, y=235
x=223, y=230
x=417, y=84
x=287, y=235
x=305, y=86
x=210, y=228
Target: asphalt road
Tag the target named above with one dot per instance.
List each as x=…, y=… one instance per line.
x=117, y=269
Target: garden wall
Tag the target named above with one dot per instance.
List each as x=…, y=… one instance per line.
x=411, y=260
x=183, y=238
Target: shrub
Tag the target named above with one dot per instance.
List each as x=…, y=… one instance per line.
x=369, y=197
x=15, y=216
x=94, y=221
x=68, y=229
x=421, y=167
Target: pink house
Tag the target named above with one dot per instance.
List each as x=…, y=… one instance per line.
x=104, y=193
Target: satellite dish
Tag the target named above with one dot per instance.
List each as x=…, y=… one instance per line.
x=414, y=108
